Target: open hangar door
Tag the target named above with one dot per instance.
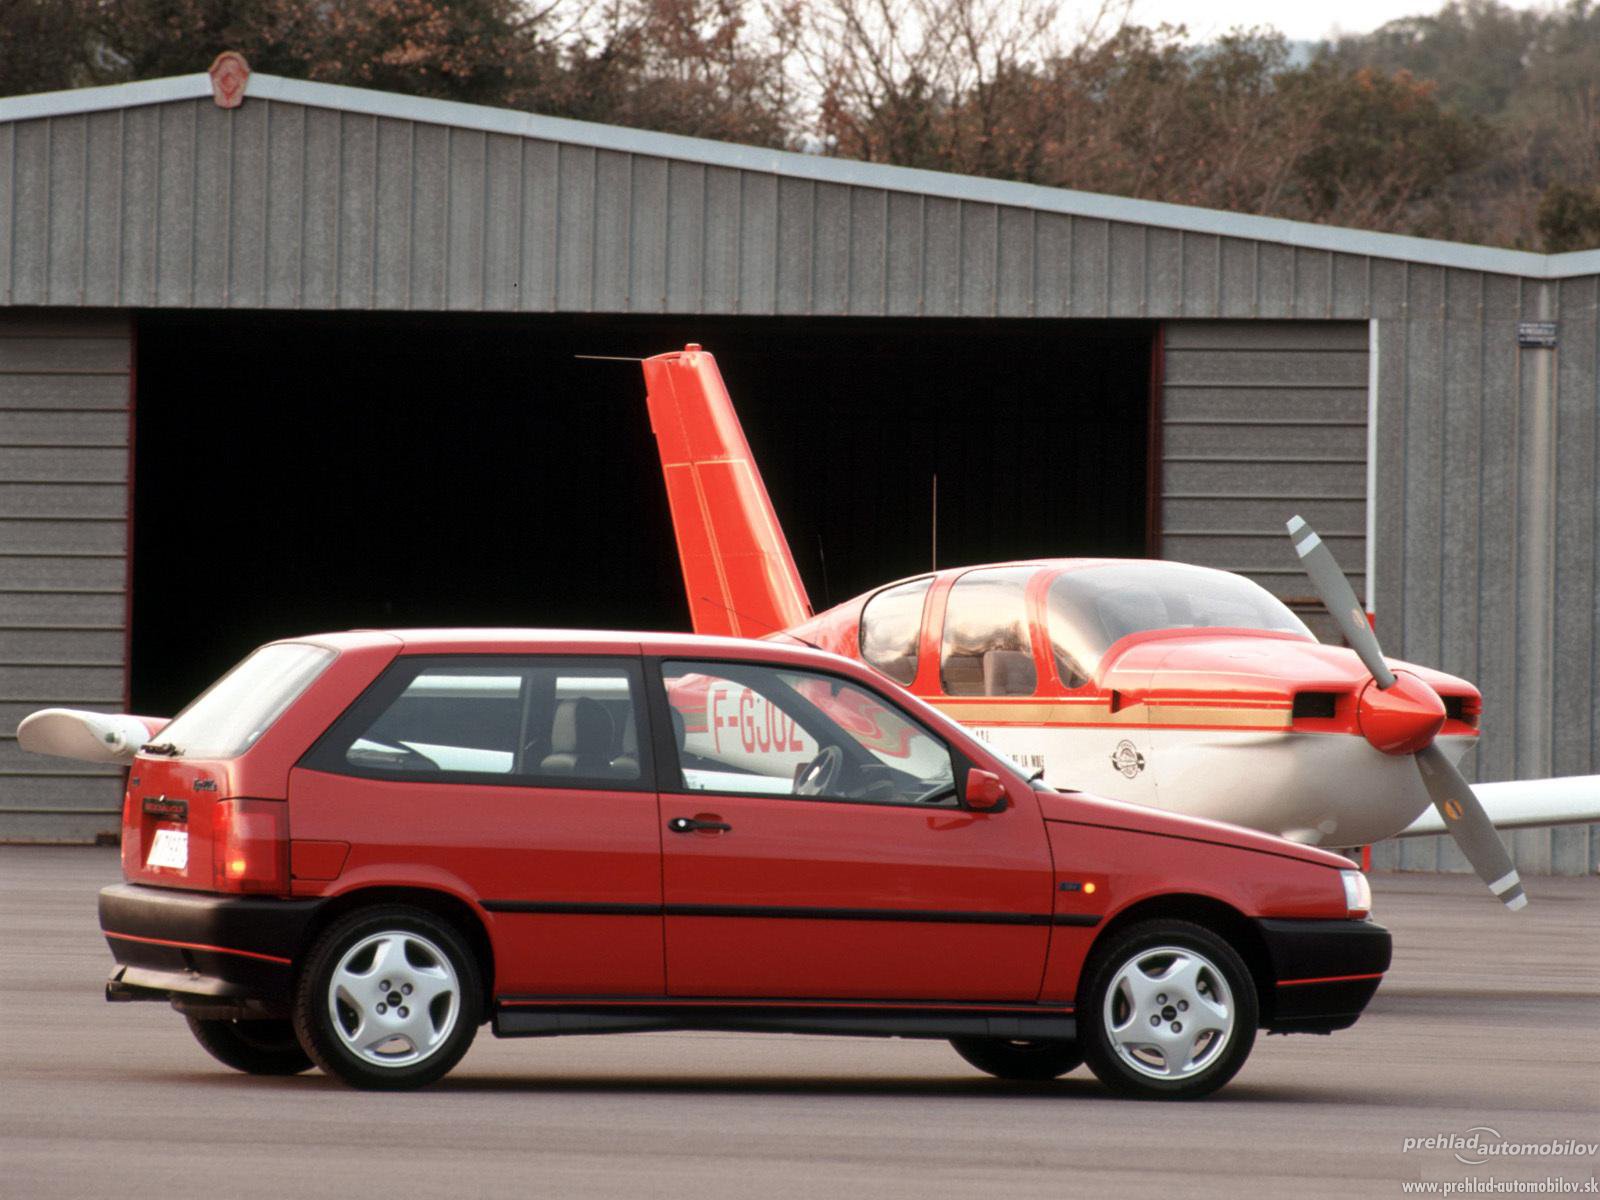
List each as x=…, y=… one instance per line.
x=298, y=472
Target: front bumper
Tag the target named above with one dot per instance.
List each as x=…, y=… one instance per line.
x=204, y=948
x=1324, y=972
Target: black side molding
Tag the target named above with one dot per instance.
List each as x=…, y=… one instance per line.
x=863, y=1021
x=939, y=916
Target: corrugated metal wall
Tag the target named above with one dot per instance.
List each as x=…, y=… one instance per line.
x=279, y=205
x=1261, y=420
x=64, y=425
x=1486, y=521
x=1487, y=493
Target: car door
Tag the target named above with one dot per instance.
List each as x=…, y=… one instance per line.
x=813, y=847
x=519, y=783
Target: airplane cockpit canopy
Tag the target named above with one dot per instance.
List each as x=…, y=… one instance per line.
x=1089, y=609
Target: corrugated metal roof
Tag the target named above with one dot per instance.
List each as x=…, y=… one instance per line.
x=818, y=169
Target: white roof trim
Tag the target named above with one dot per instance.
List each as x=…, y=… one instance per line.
x=98, y=99
x=1304, y=234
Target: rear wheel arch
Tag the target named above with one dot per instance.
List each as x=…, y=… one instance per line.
x=443, y=905
x=1227, y=922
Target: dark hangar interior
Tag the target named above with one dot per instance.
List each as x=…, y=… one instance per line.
x=345, y=470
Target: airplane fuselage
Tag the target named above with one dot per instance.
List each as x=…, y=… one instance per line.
x=1259, y=726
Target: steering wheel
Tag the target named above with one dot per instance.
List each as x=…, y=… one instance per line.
x=820, y=772
x=875, y=781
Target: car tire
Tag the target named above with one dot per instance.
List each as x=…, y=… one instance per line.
x=254, y=1047
x=1168, y=1010
x=356, y=1009
x=1006, y=1058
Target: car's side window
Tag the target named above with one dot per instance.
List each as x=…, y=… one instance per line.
x=493, y=718
x=756, y=730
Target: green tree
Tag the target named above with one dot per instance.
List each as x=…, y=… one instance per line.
x=1383, y=147
x=1533, y=78
x=688, y=66
x=693, y=67
x=45, y=45
x=1569, y=218
x=462, y=50
x=1141, y=112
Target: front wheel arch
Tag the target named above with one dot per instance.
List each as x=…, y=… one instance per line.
x=1222, y=919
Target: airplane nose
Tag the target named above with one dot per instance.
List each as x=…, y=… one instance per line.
x=1402, y=718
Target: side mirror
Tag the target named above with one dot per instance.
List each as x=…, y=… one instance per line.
x=985, y=792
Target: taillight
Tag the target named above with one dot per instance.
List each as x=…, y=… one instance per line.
x=132, y=847
x=250, y=846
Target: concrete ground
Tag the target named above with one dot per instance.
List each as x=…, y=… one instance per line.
x=1488, y=1019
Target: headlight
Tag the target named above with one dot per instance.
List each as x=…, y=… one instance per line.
x=1357, y=893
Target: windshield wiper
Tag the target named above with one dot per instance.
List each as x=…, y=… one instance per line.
x=165, y=748
x=1038, y=774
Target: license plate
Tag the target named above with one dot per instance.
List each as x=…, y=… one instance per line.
x=170, y=849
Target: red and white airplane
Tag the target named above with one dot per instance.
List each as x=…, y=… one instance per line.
x=1171, y=685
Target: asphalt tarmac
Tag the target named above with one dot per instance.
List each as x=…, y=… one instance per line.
x=1488, y=1019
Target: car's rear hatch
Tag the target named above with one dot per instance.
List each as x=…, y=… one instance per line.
x=184, y=822
x=169, y=821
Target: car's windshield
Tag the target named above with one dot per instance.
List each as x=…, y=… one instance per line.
x=1091, y=608
x=237, y=709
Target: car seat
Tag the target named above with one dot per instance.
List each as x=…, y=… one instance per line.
x=580, y=740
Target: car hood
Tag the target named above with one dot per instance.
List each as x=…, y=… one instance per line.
x=1081, y=808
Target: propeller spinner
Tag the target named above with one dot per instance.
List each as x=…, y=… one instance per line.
x=1400, y=714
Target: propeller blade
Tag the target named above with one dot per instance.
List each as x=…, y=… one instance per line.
x=1465, y=820
x=1340, y=599
x=1463, y=815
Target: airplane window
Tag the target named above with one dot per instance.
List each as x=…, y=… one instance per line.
x=1091, y=608
x=987, y=650
x=766, y=731
x=891, y=627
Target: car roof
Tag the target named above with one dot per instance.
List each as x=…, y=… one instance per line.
x=604, y=641
x=574, y=641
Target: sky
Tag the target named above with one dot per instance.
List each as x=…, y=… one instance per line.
x=1297, y=22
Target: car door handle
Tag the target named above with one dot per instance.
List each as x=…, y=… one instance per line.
x=694, y=824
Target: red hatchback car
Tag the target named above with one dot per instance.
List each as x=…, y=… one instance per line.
x=357, y=848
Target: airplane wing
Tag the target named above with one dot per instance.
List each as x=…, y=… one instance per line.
x=1526, y=804
x=87, y=736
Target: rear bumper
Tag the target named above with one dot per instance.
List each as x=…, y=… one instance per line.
x=180, y=945
x=1324, y=972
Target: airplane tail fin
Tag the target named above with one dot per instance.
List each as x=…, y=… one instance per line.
x=737, y=568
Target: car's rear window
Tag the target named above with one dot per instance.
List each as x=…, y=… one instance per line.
x=237, y=709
